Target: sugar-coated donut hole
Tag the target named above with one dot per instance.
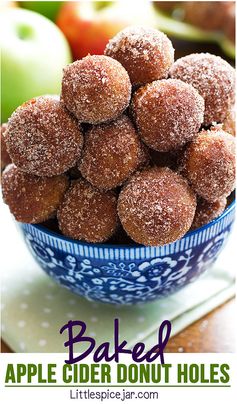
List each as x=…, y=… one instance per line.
x=156, y=206
x=146, y=53
x=209, y=164
x=167, y=113
x=87, y=213
x=32, y=199
x=213, y=78
x=43, y=138
x=111, y=153
x=96, y=89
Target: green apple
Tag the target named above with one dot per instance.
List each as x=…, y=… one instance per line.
x=34, y=52
x=47, y=8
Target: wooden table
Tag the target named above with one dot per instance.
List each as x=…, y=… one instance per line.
x=212, y=333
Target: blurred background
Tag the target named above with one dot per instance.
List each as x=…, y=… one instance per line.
x=38, y=38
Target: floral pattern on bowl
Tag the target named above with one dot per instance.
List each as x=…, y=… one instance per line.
x=128, y=275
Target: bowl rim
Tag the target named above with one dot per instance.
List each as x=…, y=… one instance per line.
x=52, y=233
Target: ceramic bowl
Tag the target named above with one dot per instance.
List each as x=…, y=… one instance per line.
x=120, y=274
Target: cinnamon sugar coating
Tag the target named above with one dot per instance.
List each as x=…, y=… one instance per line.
x=209, y=164
x=213, y=78
x=32, y=199
x=207, y=211
x=87, y=213
x=5, y=158
x=146, y=53
x=96, y=89
x=43, y=138
x=167, y=113
x=111, y=153
x=156, y=206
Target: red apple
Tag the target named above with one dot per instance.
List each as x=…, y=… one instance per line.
x=88, y=26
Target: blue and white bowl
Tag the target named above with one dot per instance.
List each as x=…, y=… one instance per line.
x=128, y=274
